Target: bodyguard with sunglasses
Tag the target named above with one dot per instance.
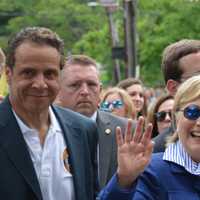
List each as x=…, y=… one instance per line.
x=180, y=61
x=172, y=175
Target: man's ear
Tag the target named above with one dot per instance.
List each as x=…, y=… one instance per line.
x=172, y=86
x=8, y=73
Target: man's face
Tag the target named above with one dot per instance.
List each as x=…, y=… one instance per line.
x=34, y=79
x=80, y=89
x=190, y=65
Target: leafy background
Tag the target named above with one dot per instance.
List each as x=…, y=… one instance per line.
x=85, y=29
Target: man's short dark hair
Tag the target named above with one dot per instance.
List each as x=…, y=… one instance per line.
x=173, y=53
x=38, y=35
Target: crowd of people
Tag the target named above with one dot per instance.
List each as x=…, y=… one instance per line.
x=63, y=135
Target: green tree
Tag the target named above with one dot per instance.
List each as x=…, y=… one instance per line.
x=159, y=24
x=85, y=30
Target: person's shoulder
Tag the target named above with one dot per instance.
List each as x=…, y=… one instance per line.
x=76, y=120
x=163, y=135
x=157, y=157
x=5, y=108
x=160, y=140
x=109, y=116
x=157, y=163
x=113, y=121
x=159, y=176
x=73, y=117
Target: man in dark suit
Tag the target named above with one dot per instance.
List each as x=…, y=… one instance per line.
x=107, y=151
x=46, y=152
x=80, y=91
x=180, y=61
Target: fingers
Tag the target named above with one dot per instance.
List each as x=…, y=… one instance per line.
x=147, y=135
x=119, y=137
x=149, y=150
x=145, y=156
x=138, y=130
x=138, y=136
x=128, y=133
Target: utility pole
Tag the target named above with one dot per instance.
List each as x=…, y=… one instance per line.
x=130, y=37
x=115, y=43
x=129, y=52
x=110, y=7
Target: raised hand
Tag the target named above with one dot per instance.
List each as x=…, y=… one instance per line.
x=134, y=152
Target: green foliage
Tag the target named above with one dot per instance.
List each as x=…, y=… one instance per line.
x=97, y=45
x=85, y=29
x=159, y=24
x=69, y=19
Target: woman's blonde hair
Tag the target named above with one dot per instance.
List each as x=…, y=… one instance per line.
x=129, y=107
x=188, y=91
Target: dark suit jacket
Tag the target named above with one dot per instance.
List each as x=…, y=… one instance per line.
x=18, y=180
x=106, y=124
x=161, y=180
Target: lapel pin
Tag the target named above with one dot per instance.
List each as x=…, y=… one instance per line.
x=107, y=131
x=65, y=158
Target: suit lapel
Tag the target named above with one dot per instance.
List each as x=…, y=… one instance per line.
x=12, y=142
x=76, y=149
x=105, y=146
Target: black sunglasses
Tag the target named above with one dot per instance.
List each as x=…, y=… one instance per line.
x=106, y=106
x=191, y=112
x=160, y=116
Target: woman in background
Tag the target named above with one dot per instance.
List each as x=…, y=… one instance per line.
x=118, y=102
x=135, y=89
x=160, y=114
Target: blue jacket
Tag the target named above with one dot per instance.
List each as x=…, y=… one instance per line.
x=162, y=180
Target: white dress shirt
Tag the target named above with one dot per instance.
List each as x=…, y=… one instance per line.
x=49, y=160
